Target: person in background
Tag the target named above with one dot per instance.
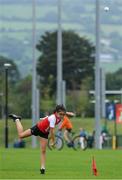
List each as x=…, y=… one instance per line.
x=83, y=138
x=67, y=126
x=91, y=139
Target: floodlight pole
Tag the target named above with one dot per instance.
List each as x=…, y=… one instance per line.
x=34, y=81
x=97, y=79
x=103, y=98
x=59, y=56
x=6, y=65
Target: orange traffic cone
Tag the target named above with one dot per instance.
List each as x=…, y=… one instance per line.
x=94, y=168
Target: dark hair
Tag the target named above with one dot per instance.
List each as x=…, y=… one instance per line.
x=60, y=107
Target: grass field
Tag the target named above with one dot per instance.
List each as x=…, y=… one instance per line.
x=65, y=164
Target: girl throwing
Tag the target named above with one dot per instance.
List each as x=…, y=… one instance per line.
x=42, y=129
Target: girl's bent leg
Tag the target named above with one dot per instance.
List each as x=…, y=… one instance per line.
x=21, y=132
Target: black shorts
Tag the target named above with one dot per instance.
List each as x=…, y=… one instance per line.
x=36, y=132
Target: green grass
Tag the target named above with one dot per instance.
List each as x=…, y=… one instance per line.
x=65, y=164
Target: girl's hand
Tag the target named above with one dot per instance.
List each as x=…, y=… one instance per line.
x=52, y=145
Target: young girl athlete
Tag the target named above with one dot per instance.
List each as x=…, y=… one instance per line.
x=42, y=129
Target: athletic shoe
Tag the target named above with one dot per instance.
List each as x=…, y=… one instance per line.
x=42, y=171
x=14, y=117
x=70, y=144
x=84, y=148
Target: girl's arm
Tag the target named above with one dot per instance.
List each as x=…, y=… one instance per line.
x=52, y=136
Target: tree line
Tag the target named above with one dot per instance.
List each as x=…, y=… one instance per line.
x=78, y=72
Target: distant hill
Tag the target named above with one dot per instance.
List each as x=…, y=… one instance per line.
x=79, y=16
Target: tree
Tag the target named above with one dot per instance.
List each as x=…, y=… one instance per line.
x=78, y=59
x=79, y=100
x=21, y=97
x=13, y=77
x=114, y=80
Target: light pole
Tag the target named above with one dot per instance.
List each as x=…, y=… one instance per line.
x=103, y=97
x=2, y=108
x=59, y=56
x=34, y=76
x=6, y=65
x=97, y=78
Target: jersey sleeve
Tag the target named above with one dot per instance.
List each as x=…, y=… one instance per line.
x=52, y=120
